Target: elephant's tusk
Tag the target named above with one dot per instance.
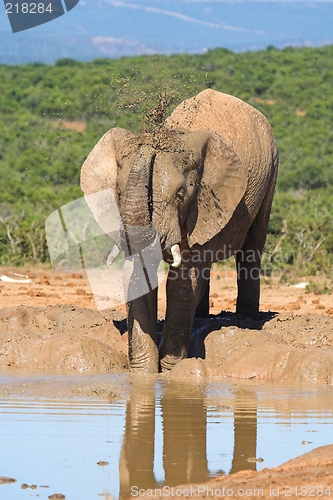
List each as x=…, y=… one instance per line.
x=113, y=255
x=177, y=258
x=71, y=235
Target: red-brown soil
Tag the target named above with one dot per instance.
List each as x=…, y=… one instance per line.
x=52, y=324
x=49, y=287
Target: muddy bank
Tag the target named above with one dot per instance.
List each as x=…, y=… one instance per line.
x=310, y=475
x=61, y=338
x=282, y=347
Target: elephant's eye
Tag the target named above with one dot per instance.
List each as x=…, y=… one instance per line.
x=180, y=194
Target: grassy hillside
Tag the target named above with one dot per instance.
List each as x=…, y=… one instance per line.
x=51, y=117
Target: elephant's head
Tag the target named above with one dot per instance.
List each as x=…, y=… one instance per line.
x=183, y=185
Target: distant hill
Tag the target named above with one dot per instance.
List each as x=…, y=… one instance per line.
x=50, y=48
x=110, y=28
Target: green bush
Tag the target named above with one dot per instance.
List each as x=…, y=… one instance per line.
x=41, y=151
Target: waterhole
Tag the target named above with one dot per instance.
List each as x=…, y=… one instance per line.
x=158, y=433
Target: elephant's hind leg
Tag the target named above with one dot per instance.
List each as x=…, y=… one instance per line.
x=248, y=259
x=202, y=310
x=248, y=282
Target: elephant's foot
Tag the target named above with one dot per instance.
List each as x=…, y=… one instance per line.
x=168, y=362
x=143, y=355
x=143, y=365
x=248, y=311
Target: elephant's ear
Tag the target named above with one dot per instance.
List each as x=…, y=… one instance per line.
x=99, y=171
x=223, y=184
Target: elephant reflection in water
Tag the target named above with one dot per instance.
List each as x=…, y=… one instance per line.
x=184, y=439
x=137, y=454
x=245, y=430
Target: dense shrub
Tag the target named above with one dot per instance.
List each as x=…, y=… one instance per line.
x=51, y=116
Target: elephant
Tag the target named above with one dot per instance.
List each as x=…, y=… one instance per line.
x=203, y=182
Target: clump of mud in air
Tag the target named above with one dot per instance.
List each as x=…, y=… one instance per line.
x=156, y=116
x=25, y=486
x=148, y=110
x=160, y=136
x=7, y=480
x=140, y=96
x=140, y=99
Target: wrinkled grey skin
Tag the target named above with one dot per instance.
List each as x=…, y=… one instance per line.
x=205, y=181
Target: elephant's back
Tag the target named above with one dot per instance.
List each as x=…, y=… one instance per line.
x=242, y=126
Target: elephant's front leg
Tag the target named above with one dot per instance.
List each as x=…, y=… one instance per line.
x=141, y=318
x=185, y=288
x=141, y=324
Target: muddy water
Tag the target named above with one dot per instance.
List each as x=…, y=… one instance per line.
x=156, y=433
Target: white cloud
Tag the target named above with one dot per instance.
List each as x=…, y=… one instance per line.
x=178, y=15
x=155, y=10
x=235, y=28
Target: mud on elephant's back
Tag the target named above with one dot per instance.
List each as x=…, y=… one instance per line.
x=245, y=128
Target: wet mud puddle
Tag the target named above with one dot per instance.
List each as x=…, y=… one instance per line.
x=159, y=434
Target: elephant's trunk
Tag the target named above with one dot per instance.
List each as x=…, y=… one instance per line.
x=137, y=202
